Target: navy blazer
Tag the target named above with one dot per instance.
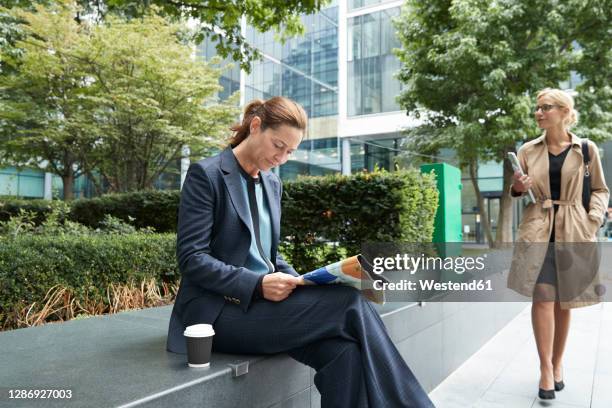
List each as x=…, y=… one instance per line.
x=213, y=240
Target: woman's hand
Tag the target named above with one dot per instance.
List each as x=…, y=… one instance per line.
x=521, y=184
x=595, y=225
x=278, y=286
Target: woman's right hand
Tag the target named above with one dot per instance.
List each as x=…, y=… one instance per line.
x=521, y=184
x=278, y=286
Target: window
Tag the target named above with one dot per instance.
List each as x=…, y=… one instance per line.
x=372, y=86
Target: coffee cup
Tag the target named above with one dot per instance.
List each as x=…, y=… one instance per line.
x=199, y=344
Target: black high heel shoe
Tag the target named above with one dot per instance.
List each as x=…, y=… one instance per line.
x=559, y=385
x=546, y=394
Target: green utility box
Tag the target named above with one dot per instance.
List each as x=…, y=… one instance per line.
x=448, y=222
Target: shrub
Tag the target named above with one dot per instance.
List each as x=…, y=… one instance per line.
x=40, y=208
x=352, y=210
x=60, y=268
x=82, y=267
x=150, y=208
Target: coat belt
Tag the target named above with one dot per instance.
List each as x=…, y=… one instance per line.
x=549, y=203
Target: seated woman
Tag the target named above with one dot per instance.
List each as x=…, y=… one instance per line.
x=234, y=279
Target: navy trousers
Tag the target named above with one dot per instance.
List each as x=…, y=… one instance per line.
x=332, y=329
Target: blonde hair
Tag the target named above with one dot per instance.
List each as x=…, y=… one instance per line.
x=273, y=113
x=563, y=99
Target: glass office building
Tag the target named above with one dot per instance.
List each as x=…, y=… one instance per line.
x=304, y=69
x=230, y=76
x=372, y=85
x=370, y=118
x=29, y=183
x=26, y=183
x=342, y=72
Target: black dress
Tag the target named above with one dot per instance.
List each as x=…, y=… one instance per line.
x=548, y=273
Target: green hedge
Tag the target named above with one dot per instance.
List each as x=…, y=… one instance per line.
x=351, y=210
x=151, y=208
x=41, y=208
x=86, y=264
x=316, y=211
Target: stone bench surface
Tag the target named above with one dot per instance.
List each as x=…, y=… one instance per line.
x=106, y=360
x=120, y=360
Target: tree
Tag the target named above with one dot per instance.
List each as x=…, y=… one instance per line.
x=45, y=104
x=120, y=98
x=153, y=99
x=221, y=20
x=471, y=69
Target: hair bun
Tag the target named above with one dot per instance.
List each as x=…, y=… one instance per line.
x=274, y=112
x=573, y=117
x=254, y=106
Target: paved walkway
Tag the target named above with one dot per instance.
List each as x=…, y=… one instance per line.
x=505, y=371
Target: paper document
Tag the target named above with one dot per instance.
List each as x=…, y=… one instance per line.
x=354, y=271
x=516, y=166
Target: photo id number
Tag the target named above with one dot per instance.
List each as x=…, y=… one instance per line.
x=40, y=394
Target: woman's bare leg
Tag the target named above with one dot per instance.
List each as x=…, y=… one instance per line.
x=562, y=323
x=543, y=321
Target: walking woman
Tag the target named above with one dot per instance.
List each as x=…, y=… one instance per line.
x=233, y=277
x=555, y=257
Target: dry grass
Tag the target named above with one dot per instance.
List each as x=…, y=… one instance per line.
x=60, y=304
x=147, y=294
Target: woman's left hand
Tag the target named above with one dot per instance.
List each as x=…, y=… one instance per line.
x=594, y=225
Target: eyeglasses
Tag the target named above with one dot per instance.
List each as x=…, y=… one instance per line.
x=545, y=108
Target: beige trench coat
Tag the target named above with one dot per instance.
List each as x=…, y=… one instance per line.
x=577, y=256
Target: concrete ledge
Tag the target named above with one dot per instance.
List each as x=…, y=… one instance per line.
x=120, y=360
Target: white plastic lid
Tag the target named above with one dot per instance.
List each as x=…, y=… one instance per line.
x=199, y=330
